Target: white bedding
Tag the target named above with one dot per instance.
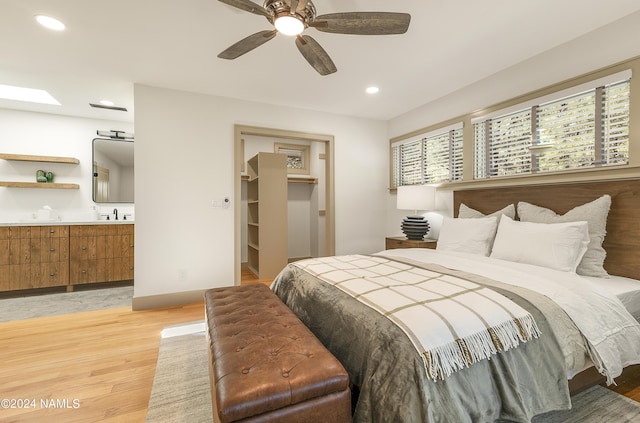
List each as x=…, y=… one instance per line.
x=627, y=290
x=613, y=334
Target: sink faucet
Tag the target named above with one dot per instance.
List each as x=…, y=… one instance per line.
x=115, y=211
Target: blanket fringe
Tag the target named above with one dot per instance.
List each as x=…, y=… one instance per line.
x=442, y=361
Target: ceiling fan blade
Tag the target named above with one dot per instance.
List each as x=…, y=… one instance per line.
x=315, y=55
x=248, y=6
x=247, y=44
x=363, y=23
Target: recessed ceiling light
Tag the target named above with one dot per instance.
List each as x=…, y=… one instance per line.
x=33, y=95
x=51, y=23
x=372, y=90
x=107, y=102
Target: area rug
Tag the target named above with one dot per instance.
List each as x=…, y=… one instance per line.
x=597, y=404
x=64, y=303
x=181, y=391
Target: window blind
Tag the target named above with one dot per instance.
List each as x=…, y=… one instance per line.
x=585, y=129
x=615, y=149
x=434, y=157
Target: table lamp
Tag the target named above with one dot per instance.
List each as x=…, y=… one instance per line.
x=415, y=197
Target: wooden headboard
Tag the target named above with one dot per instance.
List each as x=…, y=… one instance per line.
x=622, y=242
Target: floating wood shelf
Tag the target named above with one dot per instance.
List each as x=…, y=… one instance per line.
x=48, y=159
x=49, y=185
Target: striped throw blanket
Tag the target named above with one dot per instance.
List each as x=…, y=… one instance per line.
x=452, y=321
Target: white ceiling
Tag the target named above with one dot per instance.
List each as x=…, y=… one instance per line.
x=111, y=44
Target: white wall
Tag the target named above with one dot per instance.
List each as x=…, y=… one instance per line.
x=606, y=46
x=49, y=135
x=184, y=160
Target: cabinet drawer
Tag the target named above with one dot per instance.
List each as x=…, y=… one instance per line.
x=83, y=271
x=83, y=248
x=50, y=232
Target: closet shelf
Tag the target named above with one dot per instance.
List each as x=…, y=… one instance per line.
x=298, y=180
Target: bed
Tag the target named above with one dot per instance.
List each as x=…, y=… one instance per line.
x=404, y=372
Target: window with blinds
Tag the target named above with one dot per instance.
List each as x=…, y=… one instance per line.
x=436, y=157
x=585, y=129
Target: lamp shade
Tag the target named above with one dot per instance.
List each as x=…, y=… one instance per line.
x=416, y=197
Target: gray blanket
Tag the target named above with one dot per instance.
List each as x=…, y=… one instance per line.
x=384, y=364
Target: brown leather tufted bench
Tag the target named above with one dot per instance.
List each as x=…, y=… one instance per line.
x=266, y=365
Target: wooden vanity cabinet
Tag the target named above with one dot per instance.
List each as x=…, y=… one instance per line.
x=100, y=253
x=61, y=255
x=33, y=257
x=5, y=276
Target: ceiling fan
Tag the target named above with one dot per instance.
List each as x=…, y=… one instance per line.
x=291, y=17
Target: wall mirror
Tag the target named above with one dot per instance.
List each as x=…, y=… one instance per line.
x=112, y=175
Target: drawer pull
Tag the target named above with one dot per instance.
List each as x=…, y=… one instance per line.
x=84, y=271
x=52, y=274
x=84, y=248
x=52, y=249
x=52, y=231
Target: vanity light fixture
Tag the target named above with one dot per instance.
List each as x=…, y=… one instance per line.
x=51, y=23
x=372, y=90
x=115, y=134
x=32, y=95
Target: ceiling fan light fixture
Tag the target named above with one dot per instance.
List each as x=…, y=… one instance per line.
x=289, y=25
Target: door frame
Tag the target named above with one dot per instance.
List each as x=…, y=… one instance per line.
x=240, y=131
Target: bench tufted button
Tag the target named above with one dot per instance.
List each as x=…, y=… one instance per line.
x=285, y=374
x=245, y=371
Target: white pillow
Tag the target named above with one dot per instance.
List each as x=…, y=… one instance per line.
x=467, y=235
x=594, y=212
x=557, y=246
x=465, y=212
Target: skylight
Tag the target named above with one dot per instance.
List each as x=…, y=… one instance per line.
x=32, y=95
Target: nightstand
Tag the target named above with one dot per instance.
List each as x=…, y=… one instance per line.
x=392, y=242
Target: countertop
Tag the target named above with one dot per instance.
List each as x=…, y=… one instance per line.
x=34, y=222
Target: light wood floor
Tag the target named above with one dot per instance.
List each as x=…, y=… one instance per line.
x=105, y=360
